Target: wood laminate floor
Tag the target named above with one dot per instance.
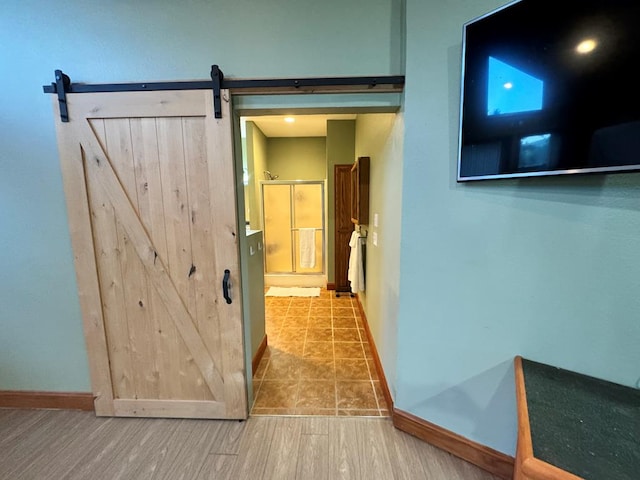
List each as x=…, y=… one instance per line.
x=65, y=444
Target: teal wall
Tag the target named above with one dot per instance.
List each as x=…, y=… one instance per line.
x=545, y=268
x=299, y=158
x=256, y=151
x=380, y=137
x=98, y=41
x=541, y=267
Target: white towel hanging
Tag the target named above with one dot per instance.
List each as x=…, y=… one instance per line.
x=356, y=268
x=307, y=247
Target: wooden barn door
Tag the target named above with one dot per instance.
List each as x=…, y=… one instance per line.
x=149, y=182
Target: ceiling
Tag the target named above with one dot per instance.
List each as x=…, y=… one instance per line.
x=303, y=126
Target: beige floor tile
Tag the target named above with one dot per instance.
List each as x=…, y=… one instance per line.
x=321, y=302
x=300, y=361
x=319, y=335
x=320, y=322
x=277, y=394
x=273, y=411
x=320, y=311
x=316, y=394
x=348, y=350
x=316, y=411
x=345, y=322
x=318, y=349
x=346, y=335
x=300, y=302
x=355, y=395
x=343, y=312
x=358, y=413
x=292, y=335
x=317, y=369
x=275, y=310
x=291, y=347
x=295, y=322
x=350, y=369
x=298, y=312
x=282, y=367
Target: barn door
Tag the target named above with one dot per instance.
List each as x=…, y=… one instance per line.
x=149, y=181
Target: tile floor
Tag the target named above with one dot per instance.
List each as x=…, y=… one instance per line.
x=318, y=360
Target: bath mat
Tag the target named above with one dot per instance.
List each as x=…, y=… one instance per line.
x=293, y=292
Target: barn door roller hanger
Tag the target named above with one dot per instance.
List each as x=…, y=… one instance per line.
x=271, y=86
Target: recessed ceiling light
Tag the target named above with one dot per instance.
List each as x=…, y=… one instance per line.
x=289, y=119
x=586, y=46
x=508, y=85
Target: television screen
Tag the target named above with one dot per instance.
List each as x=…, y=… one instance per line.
x=551, y=88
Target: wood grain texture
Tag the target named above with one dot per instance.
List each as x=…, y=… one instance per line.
x=484, y=457
x=72, y=165
x=527, y=467
x=259, y=353
x=59, y=400
x=343, y=226
x=226, y=251
x=101, y=173
x=376, y=359
x=155, y=232
x=55, y=444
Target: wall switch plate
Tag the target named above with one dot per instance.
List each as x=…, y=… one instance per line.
x=375, y=239
x=251, y=250
x=375, y=219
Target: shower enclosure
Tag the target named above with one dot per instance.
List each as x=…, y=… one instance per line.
x=294, y=224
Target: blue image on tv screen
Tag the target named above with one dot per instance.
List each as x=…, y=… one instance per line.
x=511, y=90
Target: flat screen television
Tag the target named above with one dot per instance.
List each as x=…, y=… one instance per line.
x=551, y=87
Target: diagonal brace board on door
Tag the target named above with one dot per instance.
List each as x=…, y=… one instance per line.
x=99, y=169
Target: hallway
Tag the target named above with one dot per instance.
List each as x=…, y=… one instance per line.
x=318, y=360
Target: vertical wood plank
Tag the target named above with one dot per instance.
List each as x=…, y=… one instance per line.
x=203, y=280
x=176, y=207
x=110, y=274
x=159, y=190
x=344, y=457
x=255, y=448
x=217, y=467
x=194, y=453
x=141, y=314
x=281, y=463
x=404, y=454
x=373, y=448
x=73, y=175
x=179, y=259
x=228, y=442
x=224, y=222
x=101, y=173
x=313, y=458
x=315, y=426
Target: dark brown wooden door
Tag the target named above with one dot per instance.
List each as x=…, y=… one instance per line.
x=343, y=225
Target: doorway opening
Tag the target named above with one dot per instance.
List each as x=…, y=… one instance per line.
x=311, y=355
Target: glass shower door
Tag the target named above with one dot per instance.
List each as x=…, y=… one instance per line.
x=293, y=226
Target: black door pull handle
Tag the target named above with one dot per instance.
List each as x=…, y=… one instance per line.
x=226, y=286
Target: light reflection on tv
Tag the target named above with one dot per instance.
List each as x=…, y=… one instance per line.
x=537, y=151
x=511, y=90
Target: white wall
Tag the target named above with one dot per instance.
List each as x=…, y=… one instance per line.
x=544, y=267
